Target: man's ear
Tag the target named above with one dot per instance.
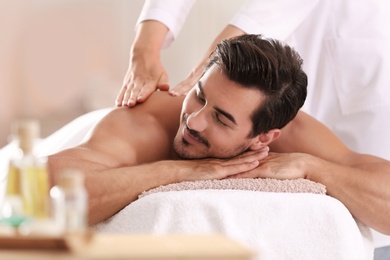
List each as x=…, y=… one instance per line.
x=263, y=140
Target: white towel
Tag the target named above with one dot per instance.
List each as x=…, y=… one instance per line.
x=274, y=225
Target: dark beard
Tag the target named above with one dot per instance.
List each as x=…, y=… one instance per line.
x=178, y=144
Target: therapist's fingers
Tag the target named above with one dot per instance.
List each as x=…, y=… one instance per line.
x=131, y=93
x=144, y=76
x=180, y=90
x=162, y=83
x=121, y=95
x=147, y=90
x=149, y=87
x=183, y=87
x=140, y=84
x=186, y=85
x=152, y=86
x=124, y=91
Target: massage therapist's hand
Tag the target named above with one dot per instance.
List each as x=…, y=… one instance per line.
x=144, y=76
x=281, y=166
x=185, y=86
x=146, y=73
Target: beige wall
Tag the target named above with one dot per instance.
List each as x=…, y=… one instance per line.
x=60, y=59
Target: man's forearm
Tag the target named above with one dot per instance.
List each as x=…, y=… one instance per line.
x=113, y=189
x=109, y=189
x=362, y=187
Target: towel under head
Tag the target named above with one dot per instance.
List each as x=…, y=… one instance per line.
x=258, y=184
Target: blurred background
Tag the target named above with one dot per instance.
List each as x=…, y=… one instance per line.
x=62, y=58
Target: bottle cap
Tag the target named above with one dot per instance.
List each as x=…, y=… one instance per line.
x=26, y=131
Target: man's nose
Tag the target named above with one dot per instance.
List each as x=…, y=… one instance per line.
x=197, y=121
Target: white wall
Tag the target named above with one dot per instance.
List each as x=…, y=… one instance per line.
x=62, y=58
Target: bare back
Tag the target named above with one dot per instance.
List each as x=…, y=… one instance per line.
x=126, y=137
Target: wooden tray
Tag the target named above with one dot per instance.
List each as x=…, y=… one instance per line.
x=33, y=242
x=65, y=242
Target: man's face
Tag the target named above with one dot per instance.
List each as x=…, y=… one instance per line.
x=215, y=118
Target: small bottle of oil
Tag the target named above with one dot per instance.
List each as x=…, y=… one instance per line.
x=28, y=174
x=70, y=202
x=12, y=207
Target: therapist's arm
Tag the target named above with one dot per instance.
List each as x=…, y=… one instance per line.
x=145, y=73
x=183, y=87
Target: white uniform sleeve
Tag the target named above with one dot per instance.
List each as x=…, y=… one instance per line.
x=272, y=18
x=172, y=13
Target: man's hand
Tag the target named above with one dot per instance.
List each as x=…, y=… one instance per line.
x=209, y=169
x=280, y=166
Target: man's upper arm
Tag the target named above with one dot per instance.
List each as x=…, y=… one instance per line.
x=304, y=134
x=99, y=152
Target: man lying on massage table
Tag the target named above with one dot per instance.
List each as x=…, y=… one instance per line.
x=236, y=122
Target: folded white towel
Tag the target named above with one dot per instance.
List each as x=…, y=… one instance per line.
x=274, y=225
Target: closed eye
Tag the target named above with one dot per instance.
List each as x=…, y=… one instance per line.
x=218, y=118
x=201, y=98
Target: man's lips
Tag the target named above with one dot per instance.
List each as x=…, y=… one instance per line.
x=189, y=137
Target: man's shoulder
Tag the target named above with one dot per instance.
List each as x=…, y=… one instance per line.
x=161, y=101
x=160, y=113
x=126, y=135
x=159, y=104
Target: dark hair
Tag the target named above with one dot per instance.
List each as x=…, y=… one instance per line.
x=271, y=67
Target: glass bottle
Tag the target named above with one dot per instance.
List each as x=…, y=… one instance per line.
x=12, y=206
x=27, y=190
x=70, y=201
